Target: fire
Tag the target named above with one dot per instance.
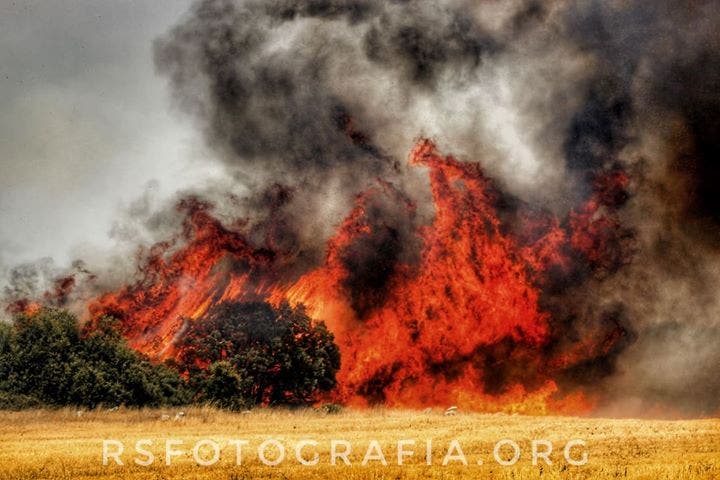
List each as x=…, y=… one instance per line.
x=461, y=324
x=174, y=288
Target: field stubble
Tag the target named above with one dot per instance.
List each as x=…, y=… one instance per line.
x=66, y=444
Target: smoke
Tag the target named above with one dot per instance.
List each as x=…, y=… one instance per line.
x=658, y=113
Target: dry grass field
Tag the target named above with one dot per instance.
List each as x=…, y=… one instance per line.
x=67, y=445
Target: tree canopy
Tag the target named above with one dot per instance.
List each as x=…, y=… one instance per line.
x=45, y=358
x=256, y=354
x=237, y=356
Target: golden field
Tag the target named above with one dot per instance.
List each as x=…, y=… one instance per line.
x=66, y=444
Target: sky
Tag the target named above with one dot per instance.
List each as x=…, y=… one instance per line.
x=86, y=123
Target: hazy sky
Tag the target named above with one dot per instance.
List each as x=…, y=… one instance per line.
x=85, y=122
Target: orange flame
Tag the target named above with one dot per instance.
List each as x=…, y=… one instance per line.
x=462, y=325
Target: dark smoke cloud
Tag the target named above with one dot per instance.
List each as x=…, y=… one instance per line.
x=428, y=41
x=654, y=105
x=265, y=106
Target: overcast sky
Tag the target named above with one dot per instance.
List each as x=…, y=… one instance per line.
x=85, y=122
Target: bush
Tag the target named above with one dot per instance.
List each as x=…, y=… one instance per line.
x=237, y=356
x=259, y=355
x=46, y=358
x=331, y=408
x=224, y=387
x=15, y=401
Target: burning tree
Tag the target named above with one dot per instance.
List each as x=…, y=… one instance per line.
x=244, y=354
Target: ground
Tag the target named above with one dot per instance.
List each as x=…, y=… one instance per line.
x=68, y=444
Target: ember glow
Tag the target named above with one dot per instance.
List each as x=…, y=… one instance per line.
x=463, y=325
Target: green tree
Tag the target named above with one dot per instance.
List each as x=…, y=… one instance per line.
x=7, y=354
x=111, y=369
x=46, y=357
x=279, y=355
x=45, y=353
x=223, y=386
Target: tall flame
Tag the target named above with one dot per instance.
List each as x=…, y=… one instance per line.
x=462, y=324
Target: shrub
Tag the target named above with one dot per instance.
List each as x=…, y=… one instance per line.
x=46, y=358
x=259, y=355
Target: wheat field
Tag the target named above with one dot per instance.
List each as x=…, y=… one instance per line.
x=67, y=444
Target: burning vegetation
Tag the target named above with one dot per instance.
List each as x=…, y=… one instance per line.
x=466, y=323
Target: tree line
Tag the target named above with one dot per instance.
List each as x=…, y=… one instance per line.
x=237, y=356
